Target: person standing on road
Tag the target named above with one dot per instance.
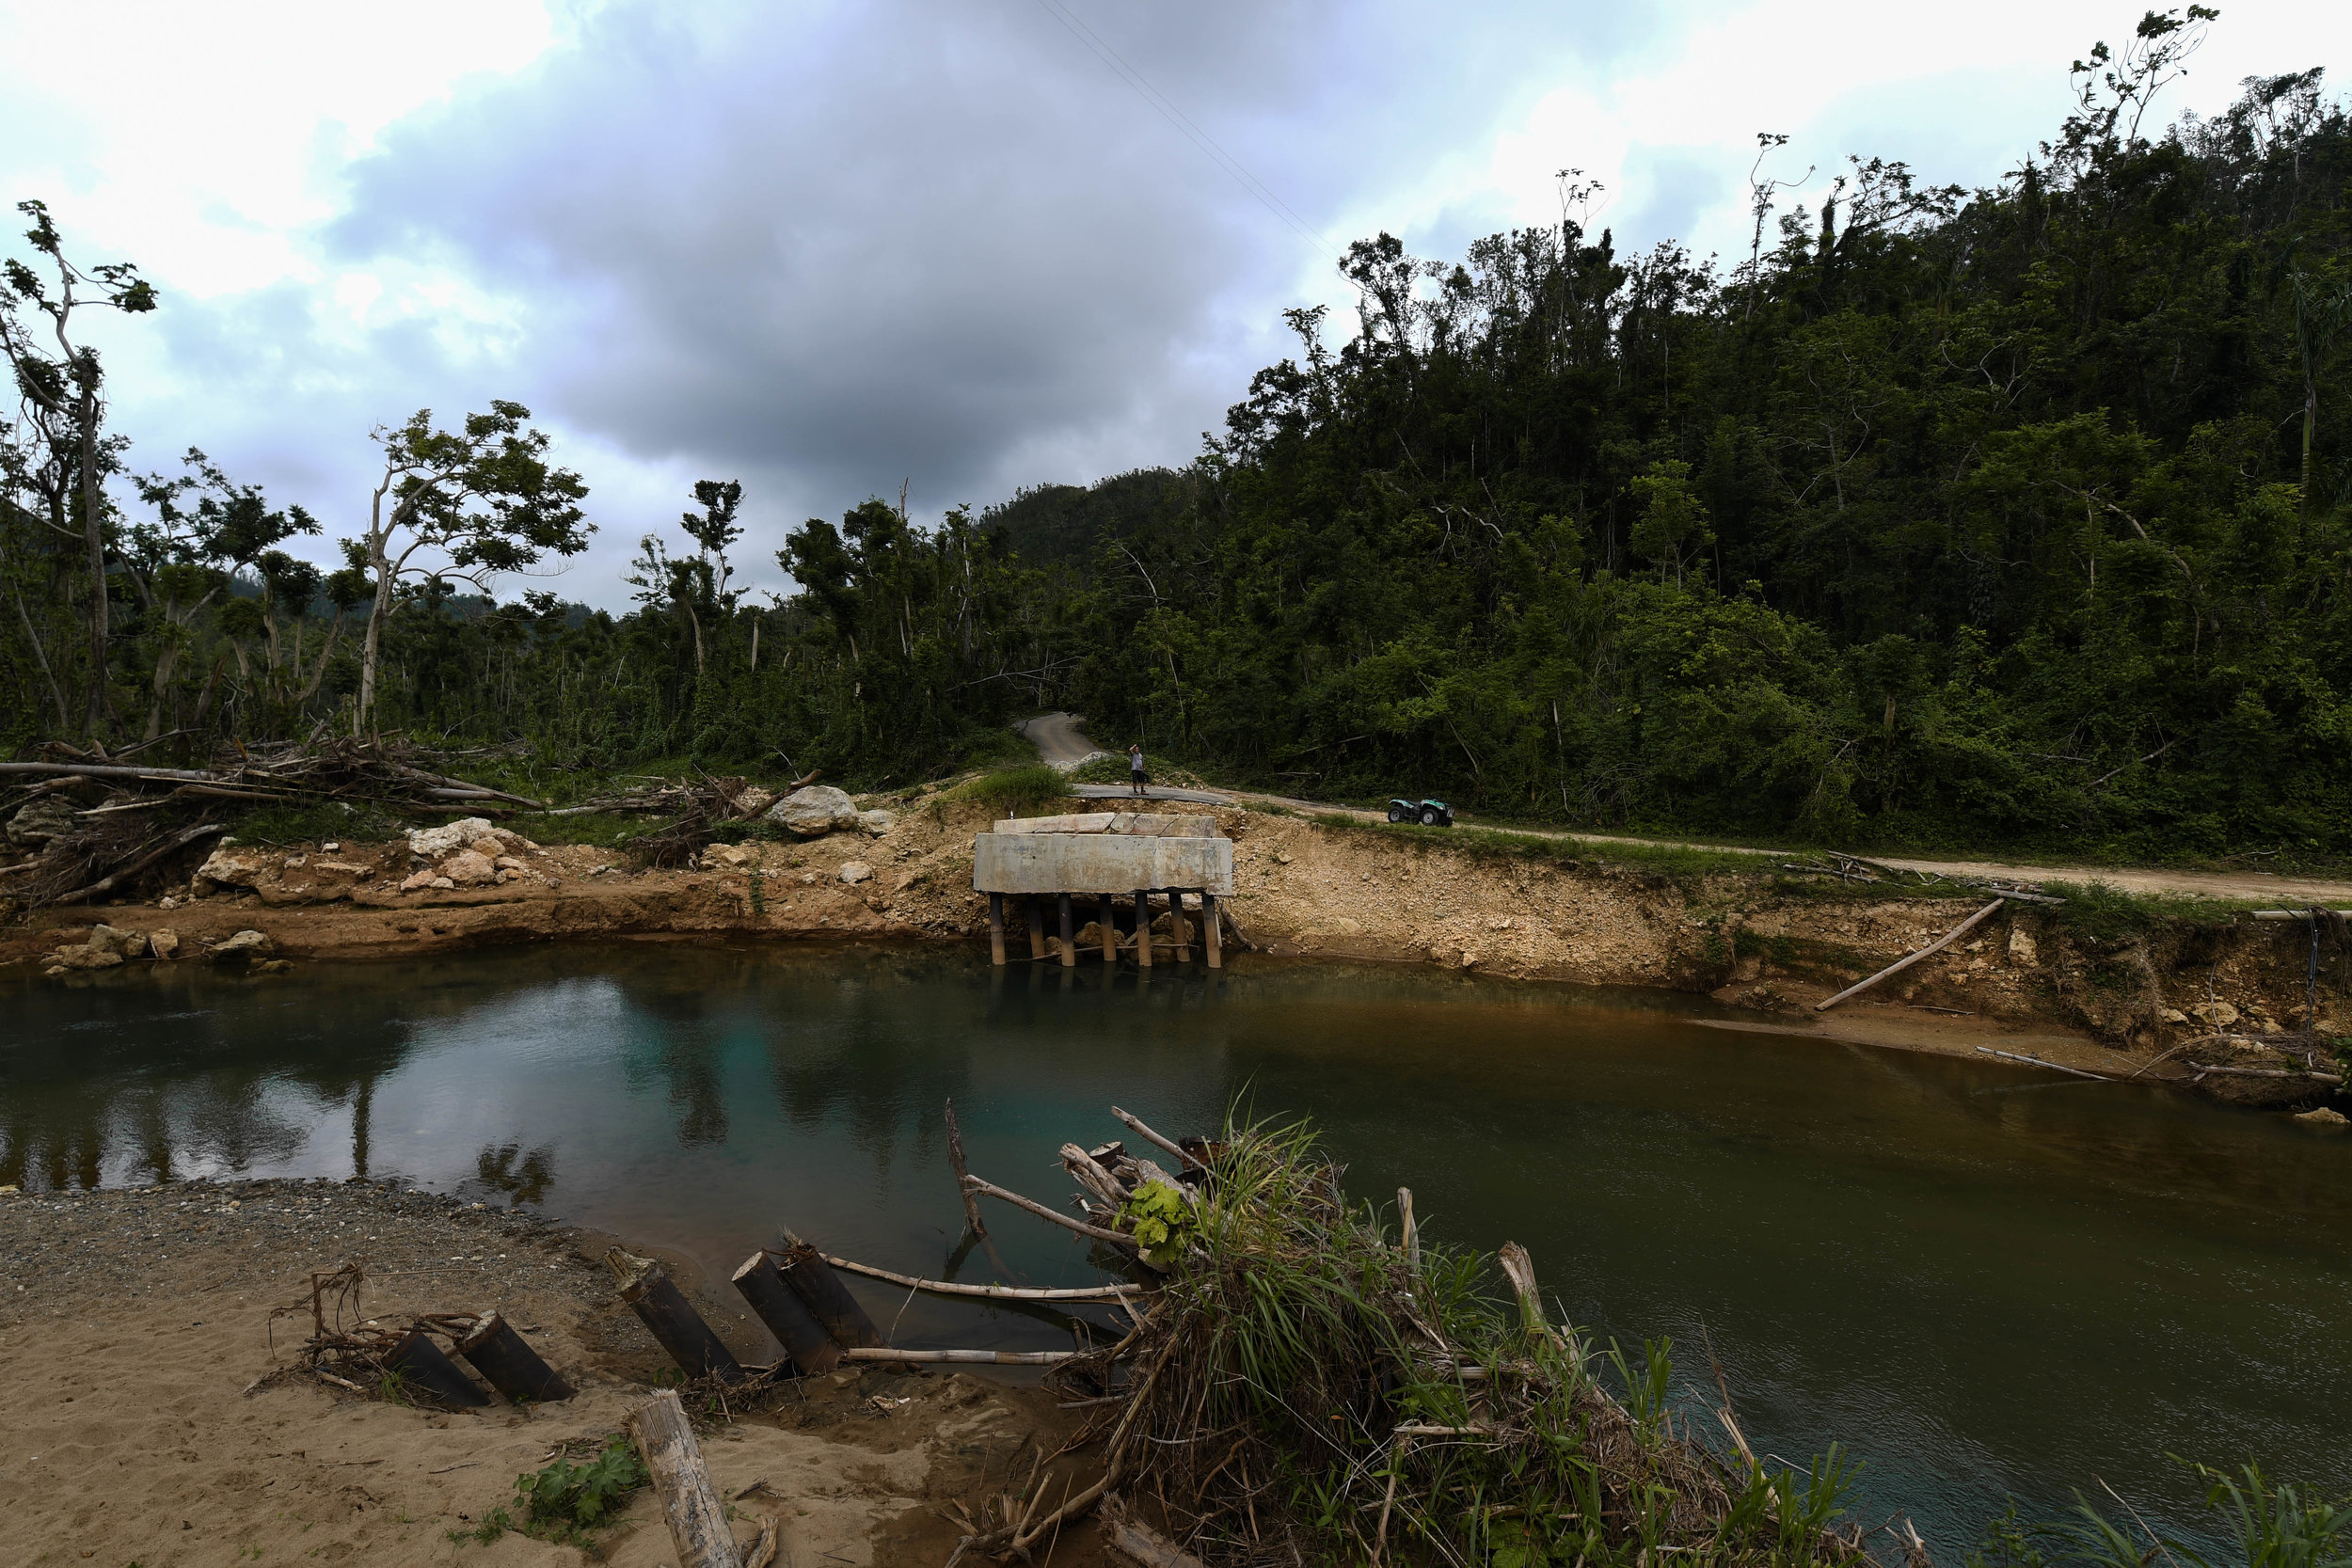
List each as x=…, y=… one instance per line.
x=1135, y=775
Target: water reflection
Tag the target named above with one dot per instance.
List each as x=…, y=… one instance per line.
x=1980, y=1285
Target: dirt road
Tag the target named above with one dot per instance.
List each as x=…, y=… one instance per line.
x=1059, y=739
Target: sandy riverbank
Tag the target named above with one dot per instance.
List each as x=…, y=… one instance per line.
x=135, y=1386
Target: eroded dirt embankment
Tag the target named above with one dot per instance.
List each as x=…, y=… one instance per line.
x=2030, y=979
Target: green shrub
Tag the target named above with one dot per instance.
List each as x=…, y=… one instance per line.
x=563, y=1501
x=1013, y=790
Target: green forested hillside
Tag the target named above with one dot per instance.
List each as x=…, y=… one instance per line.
x=2019, y=516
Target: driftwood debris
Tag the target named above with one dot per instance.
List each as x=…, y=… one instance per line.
x=989, y=1189
x=118, y=821
x=972, y=1221
x=2036, y=1061
x=1906, y=961
x=990, y=1292
x=971, y=1358
x=696, y=1517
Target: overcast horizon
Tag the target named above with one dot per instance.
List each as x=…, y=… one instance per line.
x=827, y=249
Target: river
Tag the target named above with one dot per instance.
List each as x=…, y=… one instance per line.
x=1981, y=1283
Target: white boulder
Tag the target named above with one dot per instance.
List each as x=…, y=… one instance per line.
x=467, y=832
x=815, y=811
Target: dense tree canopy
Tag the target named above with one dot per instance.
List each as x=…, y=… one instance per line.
x=2018, y=515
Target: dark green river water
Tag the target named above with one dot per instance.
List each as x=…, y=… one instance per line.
x=1981, y=1283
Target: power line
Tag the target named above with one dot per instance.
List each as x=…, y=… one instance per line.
x=1184, y=123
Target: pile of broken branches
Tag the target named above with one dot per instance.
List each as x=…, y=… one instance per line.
x=88, y=823
x=1308, y=1385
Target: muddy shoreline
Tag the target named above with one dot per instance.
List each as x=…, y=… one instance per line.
x=2023, y=982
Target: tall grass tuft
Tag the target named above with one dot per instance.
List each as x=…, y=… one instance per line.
x=1307, y=1390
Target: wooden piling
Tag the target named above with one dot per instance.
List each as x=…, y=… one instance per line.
x=1176, y=931
x=509, y=1364
x=424, y=1369
x=1143, y=929
x=1037, y=927
x=1069, y=939
x=1209, y=931
x=805, y=1269
x=996, y=930
x=1104, y=918
x=669, y=1318
x=806, y=1343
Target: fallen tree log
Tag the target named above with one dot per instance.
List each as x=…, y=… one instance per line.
x=696, y=1517
x=2054, y=1067
x=991, y=1292
x=1905, y=963
x=1000, y=1193
x=968, y=1358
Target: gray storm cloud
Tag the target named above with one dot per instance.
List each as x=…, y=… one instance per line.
x=837, y=248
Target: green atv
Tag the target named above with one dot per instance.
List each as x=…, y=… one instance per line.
x=1429, y=814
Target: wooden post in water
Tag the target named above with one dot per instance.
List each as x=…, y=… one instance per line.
x=1104, y=917
x=1037, y=927
x=1176, y=925
x=1143, y=929
x=996, y=930
x=1069, y=940
x=806, y=1343
x=804, y=1269
x=1209, y=931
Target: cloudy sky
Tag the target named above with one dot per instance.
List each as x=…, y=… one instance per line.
x=966, y=244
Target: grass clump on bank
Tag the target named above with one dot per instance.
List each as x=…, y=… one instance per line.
x=1312, y=1385
x=1012, y=790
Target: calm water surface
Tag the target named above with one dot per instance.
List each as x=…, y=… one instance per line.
x=1980, y=1284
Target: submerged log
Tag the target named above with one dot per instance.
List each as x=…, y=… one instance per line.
x=806, y=1343
x=696, y=1517
x=509, y=1364
x=972, y=1222
x=967, y=1357
x=422, y=1366
x=993, y=1292
x=670, y=1319
x=812, y=1278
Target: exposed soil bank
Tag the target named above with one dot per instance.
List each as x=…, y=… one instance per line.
x=2145, y=995
x=135, y=1358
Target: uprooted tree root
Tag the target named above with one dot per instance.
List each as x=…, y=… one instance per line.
x=1309, y=1386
